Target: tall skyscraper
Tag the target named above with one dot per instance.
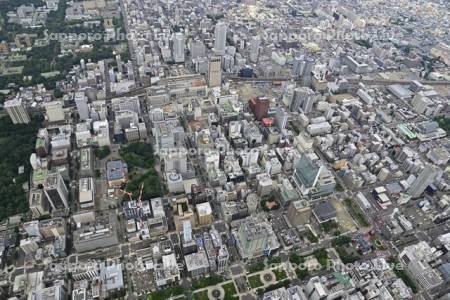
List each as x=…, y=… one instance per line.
x=281, y=118
x=254, y=49
x=17, y=111
x=56, y=191
x=298, y=65
x=308, y=104
x=303, y=98
x=253, y=238
x=425, y=178
x=178, y=47
x=197, y=49
x=307, y=70
x=313, y=179
x=220, y=35
x=259, y=106
x=215, y=71
x=119, y=63
x=82, y=105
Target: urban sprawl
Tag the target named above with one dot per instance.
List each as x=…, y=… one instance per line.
x=241, y=149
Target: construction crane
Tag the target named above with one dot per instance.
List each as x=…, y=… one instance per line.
x=139, y=204
x=140, y=196
x=129, y=194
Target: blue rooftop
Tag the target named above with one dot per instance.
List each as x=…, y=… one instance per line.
x=116, y=169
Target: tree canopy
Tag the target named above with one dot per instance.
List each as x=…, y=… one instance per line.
x=16, y=145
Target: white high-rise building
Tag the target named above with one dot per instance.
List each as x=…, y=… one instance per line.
x=425, y=178
x=308, y=104
x=254, y=49
x=220, y=35
x=178, y=47
x=298, y=65
x=215, y=71
x=17, y=111
x=38, y=203
x=81, y=102
x=308, y=66
x=119, y=63
x=281, y=118
x=175, y=161
x=303, y=98
x=313, y=178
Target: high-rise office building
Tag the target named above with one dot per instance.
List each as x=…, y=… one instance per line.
x=119, y=63
x=313, y=179
x=303, y=98
x=298, y=65
x=220, y=35
x=197, y=49
x=178, y=47
x=253, y=236
x=303, y=68
x=308, y=104
x=281, y=118
x=17, y=111
x=56, y=191
x=259, y=106
x=425, y=178
x=38, y=203
x=254, y=49
x=307, y=71
x=81, y=102
x=175, y=161
x=215, y=71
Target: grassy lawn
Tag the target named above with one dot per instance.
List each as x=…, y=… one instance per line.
x=272, y=287
x=203, y=295
x=206, y=281
x=356, y=212
x=341, y=241
x=296, y=259
x=329, y=226
x=302, y=273
x=166, y=293
x=322, y=257
x=102, y=152
x=230, y=291
x=255, y=281
x=280, y=274
x=256, y=267
x=345, y=256
x=311, y=236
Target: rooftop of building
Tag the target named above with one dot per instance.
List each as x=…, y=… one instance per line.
x=116, y=169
